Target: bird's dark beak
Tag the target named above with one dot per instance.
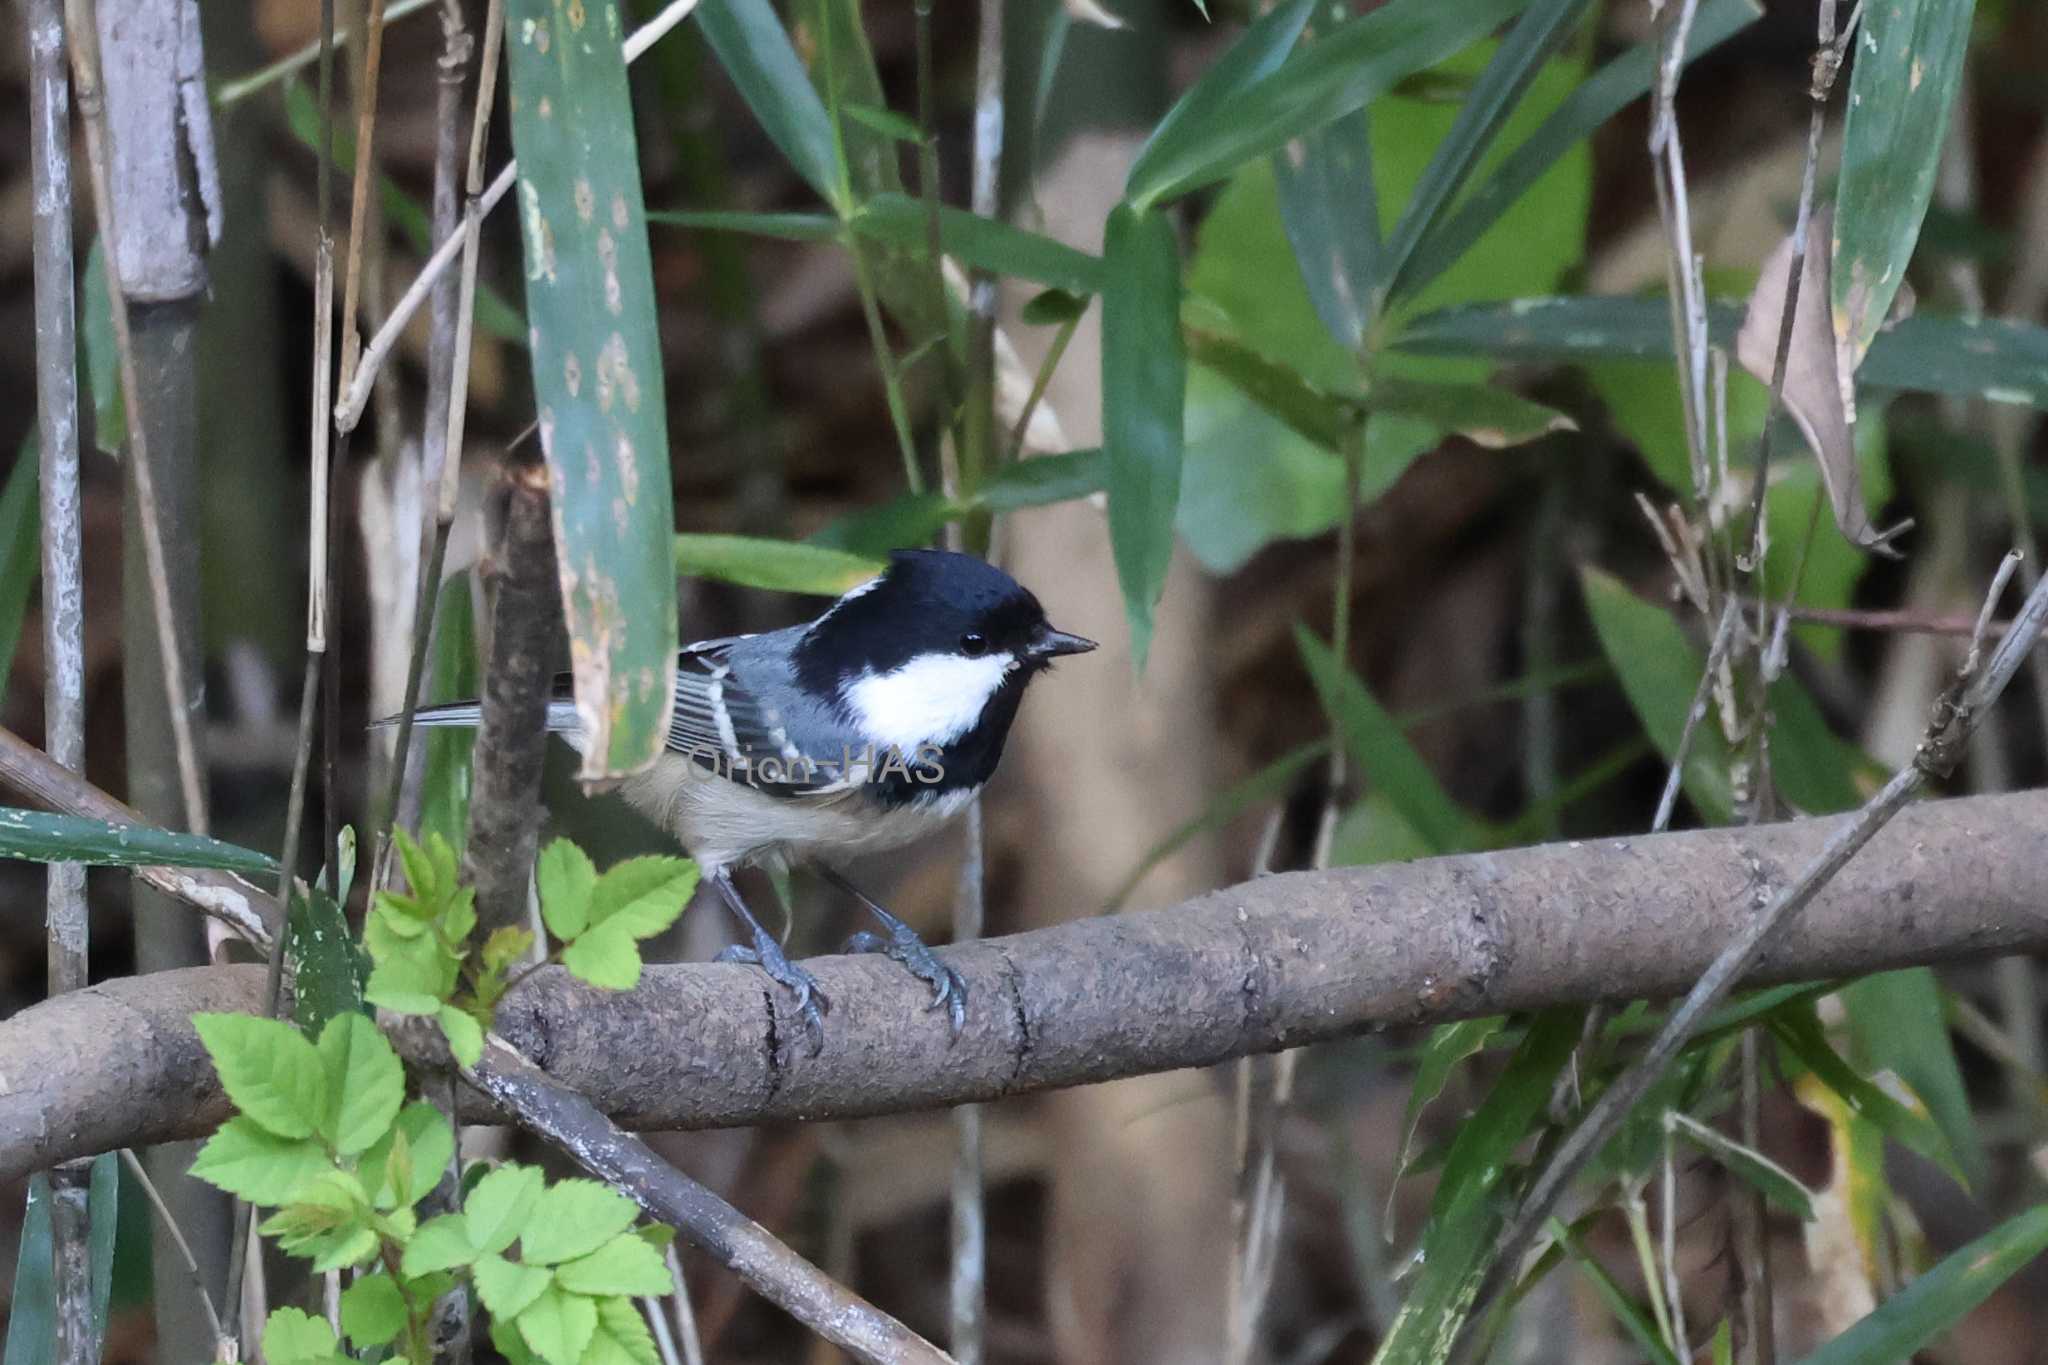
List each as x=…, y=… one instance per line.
x=1052, y=643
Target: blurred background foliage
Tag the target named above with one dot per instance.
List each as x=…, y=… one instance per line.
x=1385, y=559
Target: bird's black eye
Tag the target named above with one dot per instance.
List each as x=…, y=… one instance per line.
x=973, y=645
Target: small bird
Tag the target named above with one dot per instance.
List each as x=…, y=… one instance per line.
x=862, y=731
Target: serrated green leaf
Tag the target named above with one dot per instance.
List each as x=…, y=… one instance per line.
x=504, y=947
x=439, y=1244
x=1144, y=384
x=624, y=1265
x=372, y=1310
x=565, y=876
x=604, y=956
x=269, y=1069
x=465, y=1036
x=365, y=1083
x=500, y=1207
x=1384, y=753
x=410, y=976
x=254, y=1164
x=295, y=1337
x=622, y=1337
x=1937, y=1300
x=430, y=1145
x=573, y=1218
x=45, y=837
x=642, y=896
x=558, y=1325
x=755, y=51
x=507, y=1287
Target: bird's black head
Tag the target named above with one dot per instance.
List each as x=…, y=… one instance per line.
x=930, y=602
x=932, y=657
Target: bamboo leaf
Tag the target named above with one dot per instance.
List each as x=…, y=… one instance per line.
x=1329, y=207
x=983, y=243
x=445, y=788
x=1801, y=1033
x=1626, y=1310
x=1595, y=100
x=1343, y=71
x=329, y=968
x=597, y=371
x=32, y=1309
x=1383, y=752
x=1485, y=415
x=1936, y=1301
x=778, y=565
x=1144, y=383
x=21, y=544
x=755, y=51
x=1908, y=67
x=1539, y=32
x=43, y=837
x=1766, y=1176
x=1899, y=1025
x=788, y=227
x=843, y=72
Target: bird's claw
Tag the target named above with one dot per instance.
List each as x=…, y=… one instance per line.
x=949, y=989
x=811, y=1001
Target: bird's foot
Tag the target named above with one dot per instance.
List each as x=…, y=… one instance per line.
x=901, y=944
x=811, y=1001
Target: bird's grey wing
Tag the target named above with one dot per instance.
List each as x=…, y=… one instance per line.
x=724, y=722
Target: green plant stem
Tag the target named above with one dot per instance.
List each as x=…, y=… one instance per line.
x=885, y=362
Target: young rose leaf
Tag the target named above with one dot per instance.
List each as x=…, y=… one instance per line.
x=465, y=1036
x=643, y=895
x=372, y=1310
x=558, y=1326
x=295, y=1337
x=430, y=1146
x=365, y=1083
x=269, y=1070
x=439, y=1244
x=413, y=980
x=254, y=1164
x=622, y=1337
x=624, y=1265
x=605, y=957
x=507, y=1287
x=567, y=877
x=573, y=1218
x=501, y=1205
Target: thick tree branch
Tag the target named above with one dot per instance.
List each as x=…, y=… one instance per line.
x=1285, y=960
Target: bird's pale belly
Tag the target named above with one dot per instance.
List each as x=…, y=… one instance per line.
x=723, y=823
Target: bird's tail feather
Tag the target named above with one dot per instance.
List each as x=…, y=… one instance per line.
x=469, y=714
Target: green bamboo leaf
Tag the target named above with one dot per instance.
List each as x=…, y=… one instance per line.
x=43, y=837
x=778, y=565
x=914, y=519
x=755, y=51
x=1939, y=1299
x=597, y=371
x=328, y=967
x=1899, y=1025
x=885, y=121
x=1626, y=1310
x=1144, y=383
x=1761, y=1173
x=1329, y=207
x=1448, y=1045
x=788, y=227
x=1052, y=307
x=1902, y=86
x=1801, y=1033
x=102, y=356
x=1540, y=31
x=32, y=1310
x=1344, y=70
x=984, y=243
x=907, y=522
x=1485, y=415
x=445, y=787
x=1595, y=100
x=1319, y=416
x=843, y=72
x=1263, y=787
x=1042, y=480
x=21, y=545
x=1209, y=101
x=1384, y=754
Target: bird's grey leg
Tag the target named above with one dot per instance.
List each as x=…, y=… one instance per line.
x=767, y=954
x=903, y=945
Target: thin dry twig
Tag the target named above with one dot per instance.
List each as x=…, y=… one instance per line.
x=177, y=1236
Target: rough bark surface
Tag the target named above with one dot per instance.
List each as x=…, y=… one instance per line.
x=1279, y=962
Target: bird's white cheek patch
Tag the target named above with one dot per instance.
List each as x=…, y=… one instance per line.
x=933, y=699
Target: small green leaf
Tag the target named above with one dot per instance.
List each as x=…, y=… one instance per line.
x=624, y=1265
x=622, y=1337
x=778, y=565
x=1144, y=383
x=643, y=895
x=43, y=837
x=252, y=1163
x=1448, y=1045
x=372, y=1310
x=558, y=1325
x=365, y=1083
x=430, y=1146
x=1042, y=480
x=1384, y=753
x=605, y=957
x=507, y=1287
x=573, y=1218
x=465, y=1036
x=102, y=357
x=1052, y=307
x=439, y=1244
x=1761, y=1173
x=295, y=1337
x=269, y=1069
x=565, y=875
x=500, y=1207
x=1939, y=1299
x=755, y=51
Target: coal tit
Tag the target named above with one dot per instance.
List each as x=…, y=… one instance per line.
x=858, y=732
